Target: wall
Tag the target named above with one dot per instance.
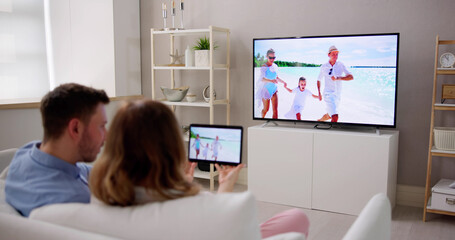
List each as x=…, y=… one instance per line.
x=127, y=48
x=19, y=126
x=418, y=22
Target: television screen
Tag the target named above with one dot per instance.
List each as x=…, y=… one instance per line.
x=346, y=79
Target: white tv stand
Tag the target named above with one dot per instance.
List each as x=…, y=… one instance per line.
x=331, y=170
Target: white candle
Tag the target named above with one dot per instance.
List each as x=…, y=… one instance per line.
x=164, y=11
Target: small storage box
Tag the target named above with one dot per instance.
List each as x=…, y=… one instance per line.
x=448, y=91
x=444, y=138
x=442, y=196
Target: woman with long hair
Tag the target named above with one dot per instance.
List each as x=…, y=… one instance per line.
x=144, y=160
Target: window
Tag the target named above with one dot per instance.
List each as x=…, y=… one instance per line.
x=23, y=63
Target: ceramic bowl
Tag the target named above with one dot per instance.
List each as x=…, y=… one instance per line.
x=191, y=97
x=175, y=94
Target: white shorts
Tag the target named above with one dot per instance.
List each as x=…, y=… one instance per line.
x=332, y=101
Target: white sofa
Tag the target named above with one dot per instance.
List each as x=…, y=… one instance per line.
x=224, y=216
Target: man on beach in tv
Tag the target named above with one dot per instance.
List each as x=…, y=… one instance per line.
x=332, y=72
x=215, y=145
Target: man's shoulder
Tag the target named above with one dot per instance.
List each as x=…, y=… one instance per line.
x=340, y=63
x=29, y=146
x=23, y=155
x=326, y=64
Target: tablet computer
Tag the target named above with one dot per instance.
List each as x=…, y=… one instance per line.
x=220, y=144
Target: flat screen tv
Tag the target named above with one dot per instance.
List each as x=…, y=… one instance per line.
x=343, y=79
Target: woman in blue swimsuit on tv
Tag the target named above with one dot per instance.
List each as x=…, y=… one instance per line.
x=269, y=79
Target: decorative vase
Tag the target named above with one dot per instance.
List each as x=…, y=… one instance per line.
x=201, y=58
x=206, y=94
x=189, y=57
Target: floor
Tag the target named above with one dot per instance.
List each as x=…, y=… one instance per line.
x=407, y=222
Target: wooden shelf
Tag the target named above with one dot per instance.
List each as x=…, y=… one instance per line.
x=445, y=71
x=446, y=42
x=187, y=32
x=204, y=175
x=444, y=107
x=432, y=210
x=195, y=104
x=442, y=153
x=215, y=67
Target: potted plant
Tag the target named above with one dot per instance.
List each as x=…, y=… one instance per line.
x=201, y=53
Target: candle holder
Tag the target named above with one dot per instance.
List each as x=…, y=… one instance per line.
x=181, y=15
x=173, y=14
x=164, y=17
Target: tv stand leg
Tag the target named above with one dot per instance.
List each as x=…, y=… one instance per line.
x=269, y=121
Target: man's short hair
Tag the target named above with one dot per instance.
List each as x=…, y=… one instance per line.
x=68, y=101
x=270, y=51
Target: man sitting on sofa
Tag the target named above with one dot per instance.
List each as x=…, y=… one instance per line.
x=53, y=171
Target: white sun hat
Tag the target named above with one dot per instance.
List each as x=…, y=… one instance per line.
x=333, y=48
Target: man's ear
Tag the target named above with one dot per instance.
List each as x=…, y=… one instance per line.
x=75, y=128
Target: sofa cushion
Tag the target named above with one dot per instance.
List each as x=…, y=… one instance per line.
x=206, y=216
x=4, y=206
x=5, y=158
x=17, y=227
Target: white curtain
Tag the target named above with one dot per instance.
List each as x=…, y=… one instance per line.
x=23, y=63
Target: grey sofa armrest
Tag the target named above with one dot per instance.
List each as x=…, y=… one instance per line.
x=374, y=221
x=5, y=159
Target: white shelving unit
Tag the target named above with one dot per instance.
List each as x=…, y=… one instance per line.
x=210, y=31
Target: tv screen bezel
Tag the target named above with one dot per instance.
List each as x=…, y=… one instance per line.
x=340, y=124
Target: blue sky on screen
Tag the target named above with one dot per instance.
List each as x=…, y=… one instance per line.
x=223, y=133
x=377, y=50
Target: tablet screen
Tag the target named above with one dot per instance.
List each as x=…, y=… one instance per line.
x=215, y=144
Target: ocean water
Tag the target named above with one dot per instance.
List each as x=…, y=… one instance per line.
x=368, y=99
